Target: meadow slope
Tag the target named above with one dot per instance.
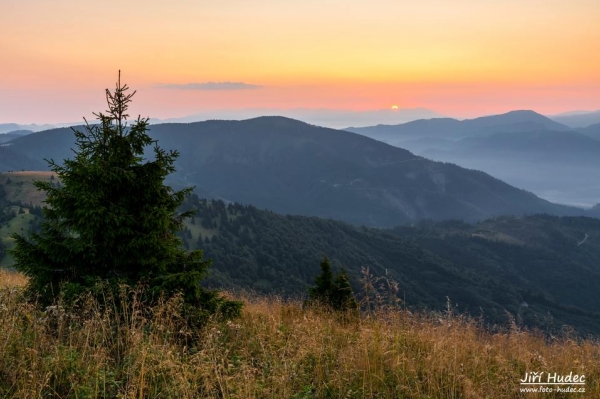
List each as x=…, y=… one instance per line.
x=275, y=350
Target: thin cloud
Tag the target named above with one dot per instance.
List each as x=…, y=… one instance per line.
x=211, y=86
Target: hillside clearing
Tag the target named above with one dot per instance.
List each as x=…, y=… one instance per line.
x=19, y=186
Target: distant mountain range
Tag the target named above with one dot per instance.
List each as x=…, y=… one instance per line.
x=332, y=118
x=577, y=119
x=6, y=137
x=15, y=127
x=453, y=129
x=592, y=131
x=523, y=148
x=292, y=167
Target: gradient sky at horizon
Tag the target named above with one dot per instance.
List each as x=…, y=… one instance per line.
x=462, y=58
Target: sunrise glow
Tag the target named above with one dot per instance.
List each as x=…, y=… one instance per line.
x=462, y=58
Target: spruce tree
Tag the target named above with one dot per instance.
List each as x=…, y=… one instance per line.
x=114, y=220
x=342, y=296
x=332, y=291
x=2, y=249
x=323, y=283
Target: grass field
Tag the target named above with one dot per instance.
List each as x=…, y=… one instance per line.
x=19, y=186
x=12, y=279
x=274, y=350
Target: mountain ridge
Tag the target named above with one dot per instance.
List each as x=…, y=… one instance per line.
x=456, y=129
x=294, y=167
x=522, y=148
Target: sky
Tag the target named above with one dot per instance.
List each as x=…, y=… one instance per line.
x=461, y=58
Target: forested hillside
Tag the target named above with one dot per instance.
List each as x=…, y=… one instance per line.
x=20, y=209
x=542, y=270
x=5, y=215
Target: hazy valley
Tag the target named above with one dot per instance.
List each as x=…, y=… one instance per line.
x=527, y=150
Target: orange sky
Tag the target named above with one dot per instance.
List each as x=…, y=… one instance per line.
x=460, y=58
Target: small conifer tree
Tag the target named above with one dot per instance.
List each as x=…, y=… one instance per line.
x=113, y=220
x=332, y=291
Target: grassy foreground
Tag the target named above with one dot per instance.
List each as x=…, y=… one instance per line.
x=275, y=350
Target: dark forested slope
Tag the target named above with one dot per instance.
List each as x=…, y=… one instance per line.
x=541, y=269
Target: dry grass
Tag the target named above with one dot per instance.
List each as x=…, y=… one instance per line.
x=11, y=279
x=37, y=174
x=275, y=350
